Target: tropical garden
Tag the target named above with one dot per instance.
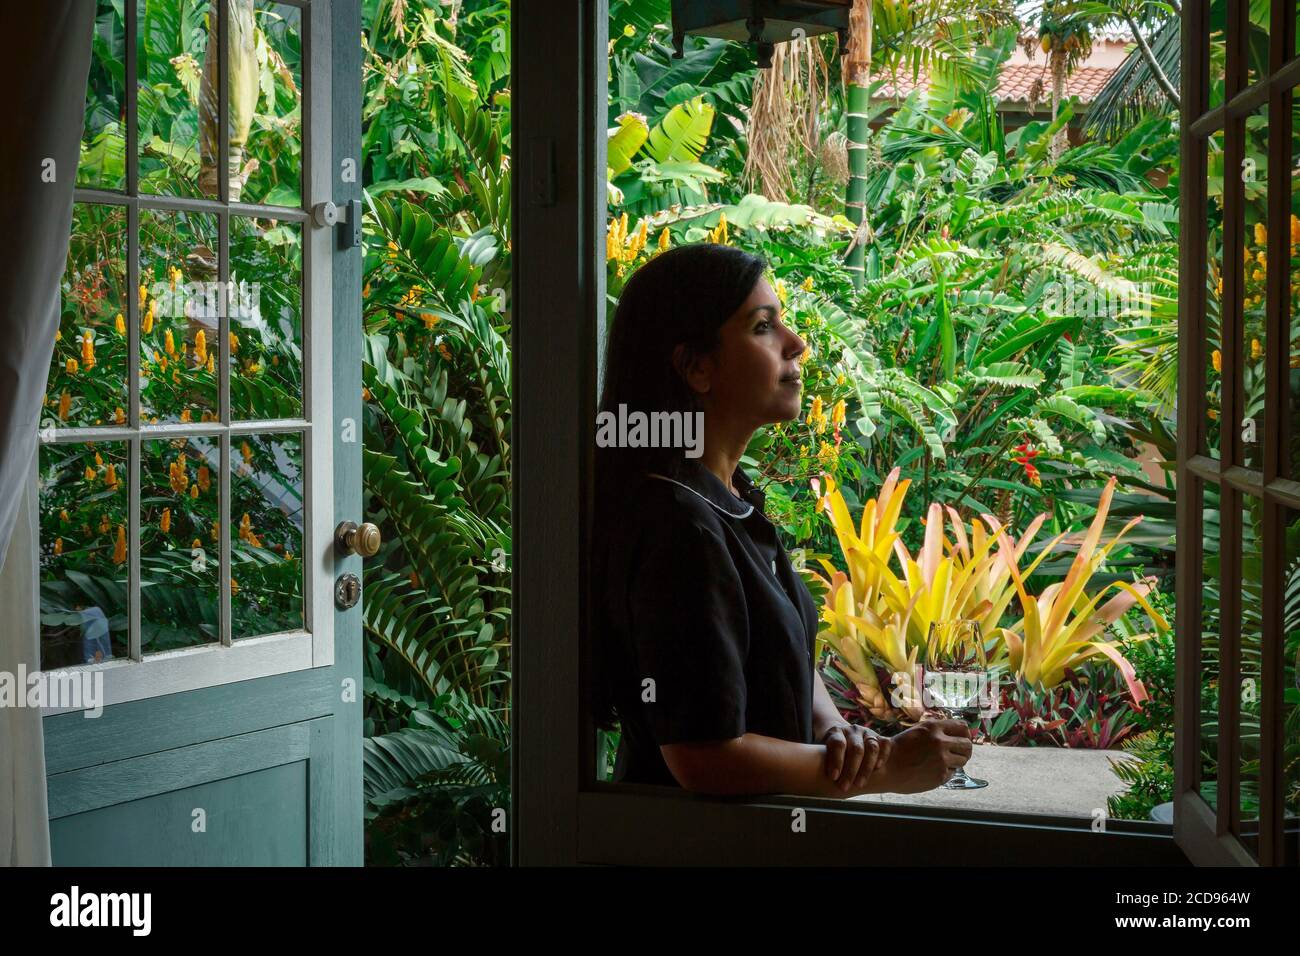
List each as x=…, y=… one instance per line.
x=990, y=302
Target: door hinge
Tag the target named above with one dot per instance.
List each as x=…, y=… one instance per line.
x=347, y=216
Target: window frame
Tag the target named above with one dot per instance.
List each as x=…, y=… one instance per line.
x=561, y=814
x=1212, y=836
x=312, y=645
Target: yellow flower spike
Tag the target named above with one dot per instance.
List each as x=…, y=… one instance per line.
x=1256, y=349
x=196, y=544
x=781, y=292
x=119, y=323
x=90, y=473
x=70, y=366
x=119, y=416
x=99, y=460
x=216, y=532
x=166, y=523
x=234, y=586
x=174, y=275
x=664, y=240
x=212, y=368
x=839, y=379
x=205, y=478
x=110, y=478
x=58, y=545
x=247, y=452
x=58, y=335
x=807, y=284
x=245, y=526
x=815, y=411
x=176, y=375
x=185, y=415
x=169, y=343
x=838, y=413
x=194, y=491
x=104, y=524
x=146, y=324
x=63, y=514
x=144, y=296
x=1216, y=360
x=200, y=348
x=1261, y=234
x=1214, y=416
x=88, y=350
x=65, y=405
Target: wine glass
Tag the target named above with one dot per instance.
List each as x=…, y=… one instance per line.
x=954, y=675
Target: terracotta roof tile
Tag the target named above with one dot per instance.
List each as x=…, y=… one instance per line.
x=1015, y=82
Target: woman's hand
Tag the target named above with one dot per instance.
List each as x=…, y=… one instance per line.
x=924, y=757
x=853, y=754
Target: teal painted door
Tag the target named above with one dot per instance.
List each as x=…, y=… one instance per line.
x=232, y=731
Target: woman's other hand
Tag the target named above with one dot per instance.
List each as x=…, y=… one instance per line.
x=924, y=757
x=853, y=754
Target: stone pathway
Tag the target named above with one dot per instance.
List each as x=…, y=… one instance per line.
x=1049, y=780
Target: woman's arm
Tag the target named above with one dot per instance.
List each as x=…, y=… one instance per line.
x=921, y=758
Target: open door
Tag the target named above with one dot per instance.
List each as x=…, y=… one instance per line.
x=1237, y=780
x=188, y=558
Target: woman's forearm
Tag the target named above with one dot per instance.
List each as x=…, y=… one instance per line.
x=758, y=764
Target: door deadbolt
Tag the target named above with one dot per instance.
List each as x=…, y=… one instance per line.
x=363, y=539
x=347, y=591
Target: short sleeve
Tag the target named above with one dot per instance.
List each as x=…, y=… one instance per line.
x=690, y=634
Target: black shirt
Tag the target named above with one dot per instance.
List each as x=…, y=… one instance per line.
x=700, y=599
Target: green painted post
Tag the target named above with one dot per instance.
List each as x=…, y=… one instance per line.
x=857, y=74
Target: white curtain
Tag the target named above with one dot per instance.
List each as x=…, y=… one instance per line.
x=43, y=73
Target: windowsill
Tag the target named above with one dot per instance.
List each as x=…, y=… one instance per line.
x=1043, y=780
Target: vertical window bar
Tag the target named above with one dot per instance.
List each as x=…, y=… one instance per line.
x=311, y=168
x=223, y=267
x=1277, y=381
x=134, y=469
x=1229, y=771
x=1193, y=225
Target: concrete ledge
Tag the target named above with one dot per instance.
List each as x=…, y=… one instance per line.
x=1047, y=780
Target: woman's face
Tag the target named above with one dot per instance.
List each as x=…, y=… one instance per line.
x=753, y=377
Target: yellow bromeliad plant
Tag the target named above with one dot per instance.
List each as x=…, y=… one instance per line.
x=879, y=611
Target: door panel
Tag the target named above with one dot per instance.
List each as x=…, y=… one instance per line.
x=262, y=733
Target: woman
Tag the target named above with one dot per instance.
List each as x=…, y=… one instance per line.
x=705, y=632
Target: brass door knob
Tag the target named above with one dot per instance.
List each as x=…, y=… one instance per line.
x=363, y=539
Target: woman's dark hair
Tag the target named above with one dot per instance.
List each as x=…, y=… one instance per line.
x=682, y=296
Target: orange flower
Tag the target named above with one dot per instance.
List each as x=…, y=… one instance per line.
x=58, y=545
x=166, y=523
x=120, y=324
x=88, y=350
x=119, y=549
x=119, y=416
x=110, y=478
x=201, y=347
x=169, y=343
x=65, y=404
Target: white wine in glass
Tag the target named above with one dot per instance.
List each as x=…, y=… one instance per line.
x=954, y=673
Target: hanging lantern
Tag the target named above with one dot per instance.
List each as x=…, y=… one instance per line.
x=763, y=23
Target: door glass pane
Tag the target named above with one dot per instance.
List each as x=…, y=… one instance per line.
x=103, y=137
x=83, y=557
x=1257, y=14
x=1290, y=459
x=177, y=97
x=265, y=319
x=87, y=379
x=266, y=535
x=180, y=303
x=1252, y=603
x=1210, y=592
x=1254, y=268
x=1214, y=295
x=1291, y=693
x=268, y=131
x=1218, y=58
x=179, y=543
